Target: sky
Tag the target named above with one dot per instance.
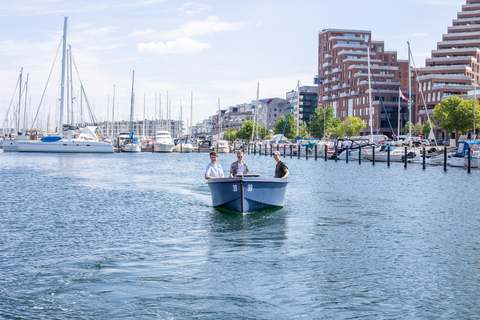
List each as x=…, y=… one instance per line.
x=216, y=50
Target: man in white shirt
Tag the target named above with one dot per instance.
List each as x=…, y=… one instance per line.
x=214, y=169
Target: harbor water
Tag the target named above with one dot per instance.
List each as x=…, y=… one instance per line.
x=134, y=236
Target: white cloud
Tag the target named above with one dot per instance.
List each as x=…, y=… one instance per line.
x=141, y=33
x=191, y=9
x=181, y=45
x=200, y=28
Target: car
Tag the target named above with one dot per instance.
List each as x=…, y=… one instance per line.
x=425, y=142
x=440, y=142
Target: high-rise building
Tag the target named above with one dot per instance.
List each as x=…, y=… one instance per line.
x=344, y=83
x=454, y=66
x=304, y=103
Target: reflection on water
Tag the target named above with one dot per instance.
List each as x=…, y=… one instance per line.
x=134, y=236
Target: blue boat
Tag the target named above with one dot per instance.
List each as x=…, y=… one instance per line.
x=247, y=193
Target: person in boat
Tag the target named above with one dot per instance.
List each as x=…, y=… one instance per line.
x=239, y=166
x=281, y=170
x=214, y=169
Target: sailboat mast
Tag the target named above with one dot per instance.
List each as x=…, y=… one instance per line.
x=191, y=114
x=25, y=108
x=256, y=108
x=19, y=102
x=298, y=105
x=62, y=86
x=410, y=98
x=474, y=105
x=132, y=102
x=113, y=112
x=219, y=118
x=370, y=109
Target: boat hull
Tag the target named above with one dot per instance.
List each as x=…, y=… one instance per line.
x=183, y=148
x=65, y=146
x=247, y=194
x=131, y=147
x=163, y=147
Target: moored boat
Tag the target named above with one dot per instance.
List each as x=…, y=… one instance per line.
x=247, y=193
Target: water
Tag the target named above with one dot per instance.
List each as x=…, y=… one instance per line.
x=133, y=236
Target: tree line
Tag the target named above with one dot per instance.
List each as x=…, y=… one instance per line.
x=453, y=115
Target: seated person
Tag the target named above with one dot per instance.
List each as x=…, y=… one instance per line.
x=214, y=169
x=239, y=166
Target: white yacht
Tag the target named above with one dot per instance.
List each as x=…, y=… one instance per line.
x=127, y=143
x=221, y=146
x=86, y=142
x=184, y=145
x=163, y=142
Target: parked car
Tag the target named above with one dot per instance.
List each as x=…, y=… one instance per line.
x=425, y=142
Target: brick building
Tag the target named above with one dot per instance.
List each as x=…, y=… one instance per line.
x=343, y=79
x=454, y=65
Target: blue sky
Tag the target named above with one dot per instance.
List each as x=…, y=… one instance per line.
x=217, y=49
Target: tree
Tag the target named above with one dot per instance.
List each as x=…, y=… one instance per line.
x=245, y=131
x=427, y=127
x=416, y=128
x=317, y=124
x=290, y=128
x=455, y=115
x=231, y=134
x=352, y=126
x=303, y=131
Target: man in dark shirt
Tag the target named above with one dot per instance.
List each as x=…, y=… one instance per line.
x=281, y=170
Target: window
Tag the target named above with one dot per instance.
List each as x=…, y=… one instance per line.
x=367, y=38
x=341, y=42
x=385, y=58
x=380, y=49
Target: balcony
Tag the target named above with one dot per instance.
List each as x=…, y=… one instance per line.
x=327, y=64
x=326, y=98
x=327, y=81
x=345, y=86
x=327, y=89
x=354, y=93
x=335, y=79
x=328, y=56
x=344, y=95
x=335, y=70
x=327, y=73
x=337, y=87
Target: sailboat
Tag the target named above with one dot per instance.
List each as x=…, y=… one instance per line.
x=86, y=141
x=131, y=143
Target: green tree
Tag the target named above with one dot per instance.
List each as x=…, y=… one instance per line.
x=290, y=129
x=427, y=127
x=317, y=123
x=416, y=128
x=352, y=126
x=231, y=134
x=245, y=131
x=335, y=128
x=455, y=115
x=303, y=131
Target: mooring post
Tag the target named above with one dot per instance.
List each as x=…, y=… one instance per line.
x=388, y=156
x=336, y=158
x=405, y=158
x=360, y=155
x=315, y=152
x=468, y=159
x=444, y=158
x=299, y=149
x=306, y=152
x=284, y=151
x=325, y=149
x=424, y=159
x=346, y=154
x=291, y=151
x=373, y=155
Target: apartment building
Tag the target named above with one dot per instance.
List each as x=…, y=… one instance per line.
x=344, y=83
x=304, y=104
x=454, y=66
